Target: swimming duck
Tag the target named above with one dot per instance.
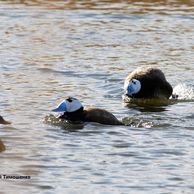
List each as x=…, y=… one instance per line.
x=2, y=146
x=3, y=121
x=74, y=111
x=147, y=82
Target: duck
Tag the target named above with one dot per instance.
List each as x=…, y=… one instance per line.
x=3, y=121
x=2, y=146
x=147, y=83
x=73, y=111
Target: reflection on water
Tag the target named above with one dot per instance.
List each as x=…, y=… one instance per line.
x=146, y=108
x=53, y=49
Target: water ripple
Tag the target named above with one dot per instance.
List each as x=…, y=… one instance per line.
x=53, y=49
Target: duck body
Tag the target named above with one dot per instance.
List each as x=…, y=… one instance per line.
x=101, y=116
x=153, y=84
x=91, y=115
x=73, y=111
x=2, y=146
x=3, y=121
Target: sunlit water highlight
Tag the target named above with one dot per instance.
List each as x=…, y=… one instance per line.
x=50, y=50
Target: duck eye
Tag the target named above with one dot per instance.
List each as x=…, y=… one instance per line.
x=133, y=82
x=69, y=99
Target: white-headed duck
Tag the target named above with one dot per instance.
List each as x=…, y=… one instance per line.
x=147, y=82
x=74, y=111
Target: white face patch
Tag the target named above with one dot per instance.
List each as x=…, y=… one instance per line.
x=72, y=104
x=132, y=87
x=68, y=105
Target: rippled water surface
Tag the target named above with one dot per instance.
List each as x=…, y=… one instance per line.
x=53, y=49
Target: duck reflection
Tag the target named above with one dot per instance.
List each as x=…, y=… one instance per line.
x=146, y=108
x=148, y=105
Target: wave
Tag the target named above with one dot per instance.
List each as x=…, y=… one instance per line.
x=183, y=92
x=55, y=121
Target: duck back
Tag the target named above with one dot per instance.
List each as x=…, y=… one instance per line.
x=3, y=121
x=2, y=146
x=101, y=116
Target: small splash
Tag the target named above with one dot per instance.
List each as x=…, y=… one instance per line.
x=183, y=92
x=145, y=123
x=138, y=123
x=65, y=124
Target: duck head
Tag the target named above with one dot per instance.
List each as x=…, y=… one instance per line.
x=69, y=105
x=132, y=87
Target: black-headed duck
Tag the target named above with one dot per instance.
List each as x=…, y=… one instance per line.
x=74, y=111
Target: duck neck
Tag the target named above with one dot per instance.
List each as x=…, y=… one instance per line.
x=77, y=115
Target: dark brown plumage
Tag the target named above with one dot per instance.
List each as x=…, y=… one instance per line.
x=92, y=115
x=3, y=121
x=2, y=146
x=153, y=83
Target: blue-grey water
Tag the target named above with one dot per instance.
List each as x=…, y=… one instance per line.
x=53, y=49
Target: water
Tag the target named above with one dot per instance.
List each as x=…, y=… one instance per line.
x=53, y=49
